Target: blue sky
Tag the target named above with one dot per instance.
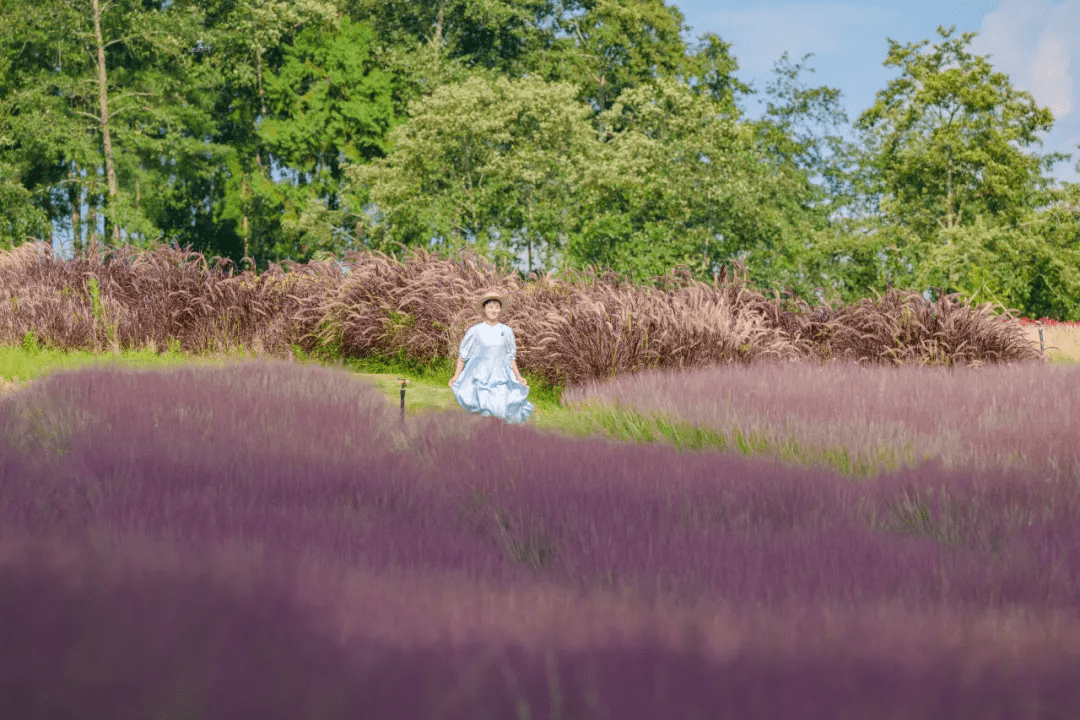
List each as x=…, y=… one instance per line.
x=1033, y=41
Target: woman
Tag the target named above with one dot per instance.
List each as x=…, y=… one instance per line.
x=491, y=383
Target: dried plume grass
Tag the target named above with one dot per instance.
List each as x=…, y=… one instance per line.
x=601, y=326
x=901, y=327
x=151, y=298
x=575, y=328
x=421, y=307
x=567, y=330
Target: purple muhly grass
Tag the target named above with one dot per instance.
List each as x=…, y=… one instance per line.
x=466, y=584
x=139, y=632
x=968, y=417
x=680, y=525
x=233, y=633
x=208, y=450
x=305, y=463
x=301, y=460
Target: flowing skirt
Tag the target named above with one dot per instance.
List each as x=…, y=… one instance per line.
x=490, y=389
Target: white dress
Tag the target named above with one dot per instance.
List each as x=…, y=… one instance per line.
x=487, y=385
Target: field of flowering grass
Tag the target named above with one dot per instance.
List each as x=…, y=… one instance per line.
x=867, y=418
x=268, y=540
x=774, y=412
x=724, y=506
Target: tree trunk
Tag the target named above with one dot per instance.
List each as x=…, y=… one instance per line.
x=75, y=200
x=258, y=78
x=91, y=220
x=528, y=235
x=438, y=33
x=258, y=147
x=948, y=199
x=244, y=222
x=106, y=136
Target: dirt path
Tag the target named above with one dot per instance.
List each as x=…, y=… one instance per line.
x=1062, y=343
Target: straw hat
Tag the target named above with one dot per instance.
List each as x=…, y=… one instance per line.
x=492, y=295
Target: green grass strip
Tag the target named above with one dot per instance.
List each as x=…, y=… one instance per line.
x=624, y=424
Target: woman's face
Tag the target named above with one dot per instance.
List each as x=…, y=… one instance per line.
x=492, y=308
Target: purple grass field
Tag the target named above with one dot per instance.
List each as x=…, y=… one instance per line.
x=267, y=541
x=1022, y=415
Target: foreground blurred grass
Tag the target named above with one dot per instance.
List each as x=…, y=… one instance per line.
x=427, y=392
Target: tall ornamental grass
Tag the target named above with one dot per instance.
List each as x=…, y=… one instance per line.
x=267, y=540
x=570, y=329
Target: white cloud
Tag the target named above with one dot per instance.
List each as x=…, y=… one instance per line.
x=1035, y=41
x=760, y=36
x=1052, y=83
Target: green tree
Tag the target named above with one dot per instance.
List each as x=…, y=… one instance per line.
x=946, y=144
x=237, y=210
x=21, y=218
x=328, y=104
x=1034, y=266
x=802, y=126
x=709, y=68
x=495, y=162
x=609, y=46
x=602, y=46
x=680, y=182
x=800, y=137
x=426, y=44
x=496, y=35
x=47, y=135
x=100, y=104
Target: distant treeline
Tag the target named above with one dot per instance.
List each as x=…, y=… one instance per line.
x=545, y=134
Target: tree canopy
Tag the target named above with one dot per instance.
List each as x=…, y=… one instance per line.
x=548, y=134
x=947, y=148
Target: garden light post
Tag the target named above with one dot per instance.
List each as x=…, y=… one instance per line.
x=1041, y=349
x=404, y=382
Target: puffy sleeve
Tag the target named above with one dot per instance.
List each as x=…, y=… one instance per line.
x=467, y=342
x=511, y=346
